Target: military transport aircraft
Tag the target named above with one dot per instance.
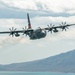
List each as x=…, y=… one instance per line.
x=37, y=33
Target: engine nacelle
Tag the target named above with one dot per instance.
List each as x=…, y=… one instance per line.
x=17, y=35
x=55, y=30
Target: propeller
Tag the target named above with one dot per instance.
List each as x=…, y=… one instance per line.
x=12, y=31
x=24, y=30
x=50, y=27
x=64, y=26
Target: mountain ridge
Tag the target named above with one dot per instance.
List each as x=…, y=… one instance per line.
x=59, y=63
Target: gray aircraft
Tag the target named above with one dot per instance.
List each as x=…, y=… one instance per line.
x=36, y=33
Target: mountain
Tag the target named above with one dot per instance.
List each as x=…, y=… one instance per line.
x=60, y=63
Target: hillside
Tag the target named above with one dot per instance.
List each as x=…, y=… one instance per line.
x=60, y=63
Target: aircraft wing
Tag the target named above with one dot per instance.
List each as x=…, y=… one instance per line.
x=5, y=32
x=60, y=26
x=64, y=26
x=16, y=32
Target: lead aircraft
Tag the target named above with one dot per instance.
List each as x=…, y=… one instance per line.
x=36, y=33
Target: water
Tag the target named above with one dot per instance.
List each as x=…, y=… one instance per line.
x=35, y=73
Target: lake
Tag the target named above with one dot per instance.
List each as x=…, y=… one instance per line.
x=35, y=73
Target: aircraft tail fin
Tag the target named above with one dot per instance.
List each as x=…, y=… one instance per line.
x=29, y=24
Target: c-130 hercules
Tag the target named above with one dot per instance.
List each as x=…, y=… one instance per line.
x=37, y=33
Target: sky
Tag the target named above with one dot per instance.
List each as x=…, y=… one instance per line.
x=21, y=49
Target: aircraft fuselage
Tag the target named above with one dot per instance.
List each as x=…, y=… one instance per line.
x=37, y=34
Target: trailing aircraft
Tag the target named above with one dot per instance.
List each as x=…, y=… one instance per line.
x=36, y=33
